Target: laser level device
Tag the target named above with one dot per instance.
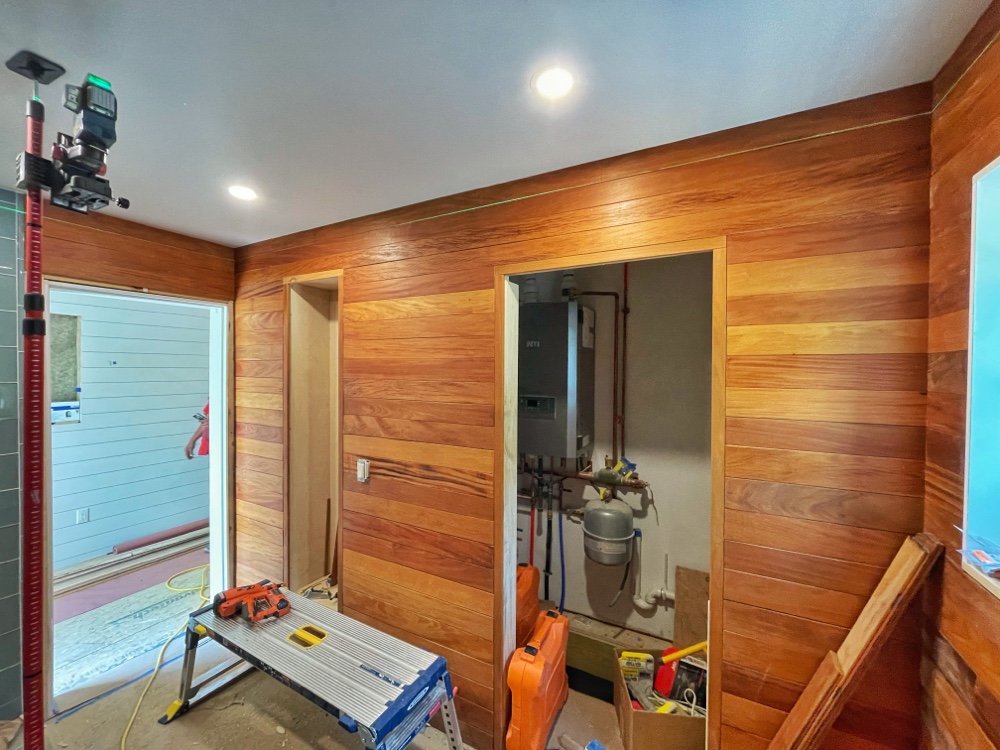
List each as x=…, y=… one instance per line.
x=255, y=602
x=74, y=176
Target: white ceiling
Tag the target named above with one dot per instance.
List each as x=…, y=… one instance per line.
x=332, y=109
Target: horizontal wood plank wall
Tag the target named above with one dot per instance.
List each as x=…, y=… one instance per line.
x=105, y=250
x=827, y=218
x=962, y=645
x=260, y=332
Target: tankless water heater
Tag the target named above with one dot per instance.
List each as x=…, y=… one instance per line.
x=556, y=380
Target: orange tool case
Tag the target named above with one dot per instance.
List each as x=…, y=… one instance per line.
x=538, y=683
x=527, y=601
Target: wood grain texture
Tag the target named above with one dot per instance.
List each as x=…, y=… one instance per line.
x=865, y=510
x=100, y=249
x=961, y=613
x=870, y=372
x=852, y=337
x=890, y=476
x=895, y=441
x=826, y=214
x=868, y=304
x=810, y=404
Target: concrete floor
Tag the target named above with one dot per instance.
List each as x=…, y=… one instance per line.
x=258, y=713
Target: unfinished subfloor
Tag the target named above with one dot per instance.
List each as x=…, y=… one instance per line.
x=258, y=712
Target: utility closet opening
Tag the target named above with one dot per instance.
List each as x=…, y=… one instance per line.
x=614, y=477
x=313, y=432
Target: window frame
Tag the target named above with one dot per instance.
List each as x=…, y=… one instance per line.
x=990, y=584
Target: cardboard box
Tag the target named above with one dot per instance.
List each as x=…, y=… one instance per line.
x=645, y=730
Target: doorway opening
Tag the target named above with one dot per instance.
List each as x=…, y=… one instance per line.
x=314, y=474
x=138, y=477
x=616, y=393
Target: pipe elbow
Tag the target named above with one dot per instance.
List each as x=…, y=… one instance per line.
x=642, y=604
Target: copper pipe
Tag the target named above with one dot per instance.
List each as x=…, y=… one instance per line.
x=615, y=416
x=625, y=312
x=588, y=476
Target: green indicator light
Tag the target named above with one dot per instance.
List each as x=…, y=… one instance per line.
x=104, y=84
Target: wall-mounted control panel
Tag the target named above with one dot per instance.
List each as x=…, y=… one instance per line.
x=555, y=373
x=362, y=469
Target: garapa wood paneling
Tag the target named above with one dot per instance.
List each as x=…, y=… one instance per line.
x=961, y=669
x=105, y=250
x=826, y=219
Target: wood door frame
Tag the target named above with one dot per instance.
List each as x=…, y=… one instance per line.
x=505, y=452
x=287, y=282
x=48, y=281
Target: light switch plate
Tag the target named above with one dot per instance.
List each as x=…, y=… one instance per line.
x=362, y=469
x=83, y=515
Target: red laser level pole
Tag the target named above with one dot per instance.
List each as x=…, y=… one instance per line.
x=33, y=496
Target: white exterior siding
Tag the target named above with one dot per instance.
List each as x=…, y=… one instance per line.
x=144, y=373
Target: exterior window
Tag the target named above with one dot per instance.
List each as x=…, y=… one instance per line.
x=982, y=507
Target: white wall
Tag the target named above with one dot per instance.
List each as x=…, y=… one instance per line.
x=144, y=374
x=668, y=420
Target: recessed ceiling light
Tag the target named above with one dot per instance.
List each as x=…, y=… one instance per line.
x=553, y=83
x=242, y=192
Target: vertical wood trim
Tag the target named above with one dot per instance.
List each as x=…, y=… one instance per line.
x=718, y=468
x=286, y=294
x=505, y=496
x=231, y=441
x=339, y=458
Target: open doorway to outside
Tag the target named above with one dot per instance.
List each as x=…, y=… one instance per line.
x=618, y=483
x=314, y=476
x=138, y=458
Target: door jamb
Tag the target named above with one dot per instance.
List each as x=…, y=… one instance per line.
x=505, y=491
x=48, y=668
x=287, y=283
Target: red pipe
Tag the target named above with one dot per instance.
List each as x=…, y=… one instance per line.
x=33, y=496
x=160, y=536
x=531, y=538
x=615, y=416
x=625, y=312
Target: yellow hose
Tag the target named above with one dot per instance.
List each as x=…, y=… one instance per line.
x=159, y=659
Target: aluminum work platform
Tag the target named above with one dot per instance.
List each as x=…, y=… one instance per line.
x=378, y=686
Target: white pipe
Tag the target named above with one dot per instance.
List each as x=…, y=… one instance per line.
x=649, y=601
x=638, y=600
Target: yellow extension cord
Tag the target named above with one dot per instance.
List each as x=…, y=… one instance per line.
x=159, y=659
